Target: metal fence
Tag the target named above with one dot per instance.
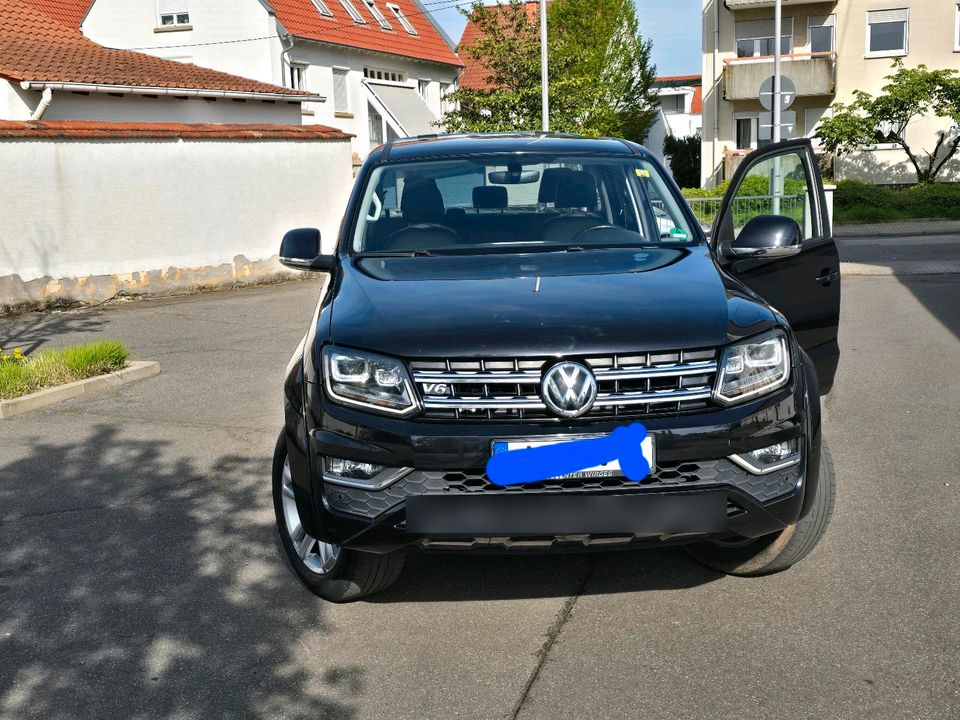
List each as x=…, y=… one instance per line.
x=746, y=207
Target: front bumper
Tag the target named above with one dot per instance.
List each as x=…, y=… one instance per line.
x=448, y=458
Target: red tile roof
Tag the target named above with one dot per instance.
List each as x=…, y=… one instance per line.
x=302, y=19
x=98, y=130
x=37, y=47
x=67, y=12
x=695, y=81
x=474, y=75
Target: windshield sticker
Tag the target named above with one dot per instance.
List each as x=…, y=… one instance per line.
x=642, y=173
x=678, y=233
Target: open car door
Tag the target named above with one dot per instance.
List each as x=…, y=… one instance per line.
x=799, y=277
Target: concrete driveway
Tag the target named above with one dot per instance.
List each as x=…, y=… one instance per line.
x=140, y=575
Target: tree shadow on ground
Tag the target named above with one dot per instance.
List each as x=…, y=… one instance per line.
x=136, y=587
x=30, y=331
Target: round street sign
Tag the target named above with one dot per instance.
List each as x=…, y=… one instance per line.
x=788, y=92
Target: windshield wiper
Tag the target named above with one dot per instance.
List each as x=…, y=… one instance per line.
x=395, y=253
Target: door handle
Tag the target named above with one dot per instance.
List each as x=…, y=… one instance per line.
x=826, y=277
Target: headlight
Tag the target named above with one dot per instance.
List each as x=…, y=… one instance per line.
x=354, y=377
x=753, y=367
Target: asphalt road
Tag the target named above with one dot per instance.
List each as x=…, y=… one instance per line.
x=140, y=575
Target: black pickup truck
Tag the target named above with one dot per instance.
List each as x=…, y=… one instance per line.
x=497, y=292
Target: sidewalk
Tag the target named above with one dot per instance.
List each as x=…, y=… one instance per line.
x=897, y=229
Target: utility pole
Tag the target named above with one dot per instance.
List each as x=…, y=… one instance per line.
x=544, y=86
x=777, y=102
x=777, y=19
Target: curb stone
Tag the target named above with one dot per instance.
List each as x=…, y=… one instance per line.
x=136, y=370
x=901, y=267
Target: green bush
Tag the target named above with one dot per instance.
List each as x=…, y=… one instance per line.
x=857, y=201
x=23, y=374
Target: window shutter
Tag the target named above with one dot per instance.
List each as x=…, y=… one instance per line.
x=823, y=20
x=750, y=29
x=886, y=16
x=340, y=91
x=173, y=7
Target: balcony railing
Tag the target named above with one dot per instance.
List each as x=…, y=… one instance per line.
x=748, y=4
x=812, y=74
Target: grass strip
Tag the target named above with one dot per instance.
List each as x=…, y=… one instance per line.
x=24, y=374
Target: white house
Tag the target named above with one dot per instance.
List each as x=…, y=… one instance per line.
x=680, y=112
x=383, y=65
x=50, y=71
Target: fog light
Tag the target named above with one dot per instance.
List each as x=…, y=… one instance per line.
x=353, y=473
x=766, y=460
x=351, y=468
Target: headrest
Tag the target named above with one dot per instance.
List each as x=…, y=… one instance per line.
x=490, y=196
x=548, y=183
x=577, y=190
x=421, y=201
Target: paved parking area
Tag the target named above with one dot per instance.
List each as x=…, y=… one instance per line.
x=140, y=575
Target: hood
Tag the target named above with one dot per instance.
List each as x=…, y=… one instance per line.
x=534, y=304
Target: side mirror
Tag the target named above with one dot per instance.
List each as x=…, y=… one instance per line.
x=767, y=236
x=300, y=250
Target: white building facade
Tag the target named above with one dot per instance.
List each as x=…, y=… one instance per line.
x=382, y=66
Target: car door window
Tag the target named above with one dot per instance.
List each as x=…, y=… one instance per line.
x=777, y=185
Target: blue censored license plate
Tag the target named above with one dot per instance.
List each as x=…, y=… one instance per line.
x=610, y=469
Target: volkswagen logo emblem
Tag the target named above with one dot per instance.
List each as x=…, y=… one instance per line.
x=569, y=389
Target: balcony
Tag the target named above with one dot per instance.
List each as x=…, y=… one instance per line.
x=749, y=4
x=813, y=74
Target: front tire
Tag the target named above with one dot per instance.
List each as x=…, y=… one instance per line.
x=776, y=552
x=329, y=571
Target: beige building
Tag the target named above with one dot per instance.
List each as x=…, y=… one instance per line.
x=830, y=50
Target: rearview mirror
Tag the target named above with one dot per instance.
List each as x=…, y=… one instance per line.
x=300, y=250
x=509, y=177
x=767, y=236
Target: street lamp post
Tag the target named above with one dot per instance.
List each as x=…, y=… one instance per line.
x=544, y=89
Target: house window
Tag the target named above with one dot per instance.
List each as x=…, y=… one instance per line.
x=956, y=30
x=322, y=8
x=375, y=123
x=296, y=74
x=353, y=12
x=672, y=104
x=377, y=15
x=445, y=90
x=398, y=13
x=747, y=133
x=341, y=98
x=173, y=12
x=755, y=38
x=381, y=74
x=423, y=88
x=887, y=33
x=821, y=32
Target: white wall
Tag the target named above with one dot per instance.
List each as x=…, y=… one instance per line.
x=134, y=24
x=86, y=219
x=13, y=103
x=137, y=108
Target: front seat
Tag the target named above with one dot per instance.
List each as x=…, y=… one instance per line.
x=421, y=207
x=576, y=192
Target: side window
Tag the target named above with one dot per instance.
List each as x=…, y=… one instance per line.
x=779, y=185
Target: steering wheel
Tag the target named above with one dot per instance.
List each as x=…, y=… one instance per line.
x=625, y=236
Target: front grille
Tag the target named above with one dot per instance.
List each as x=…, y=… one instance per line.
x=762, y=488
x=628, y=386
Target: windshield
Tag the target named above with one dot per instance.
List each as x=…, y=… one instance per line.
x=471, y=205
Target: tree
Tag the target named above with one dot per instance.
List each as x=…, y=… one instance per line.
x=911, y=93
x=684, y=155
x=508, y=49
x=600, y=71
